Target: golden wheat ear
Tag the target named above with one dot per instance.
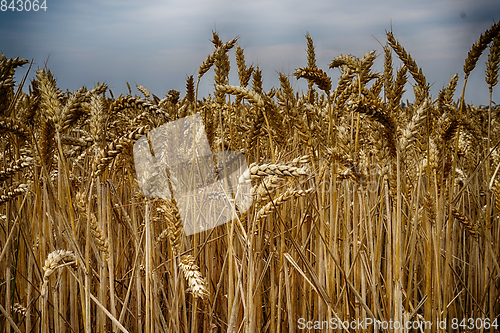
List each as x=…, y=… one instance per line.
x=274, y=204
x=56, y=259
x=478, y=47
x=108, y=154
x=13, y=192
x=168, y=210
x=16, y=166
x=7, y=71
x=191, y=271
x=470, y=226
x=316, y=76
x=492, y=64
x=244, y=73
x=14, y=126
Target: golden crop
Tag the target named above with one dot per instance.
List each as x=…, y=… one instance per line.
x=363, y=207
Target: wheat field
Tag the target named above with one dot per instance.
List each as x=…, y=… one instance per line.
x=364, y=207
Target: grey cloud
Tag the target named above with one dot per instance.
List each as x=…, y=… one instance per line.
x=159, y=43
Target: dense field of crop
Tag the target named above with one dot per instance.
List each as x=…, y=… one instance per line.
x=363, y=207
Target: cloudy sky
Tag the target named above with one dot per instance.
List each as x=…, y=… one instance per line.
x=158, y=44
